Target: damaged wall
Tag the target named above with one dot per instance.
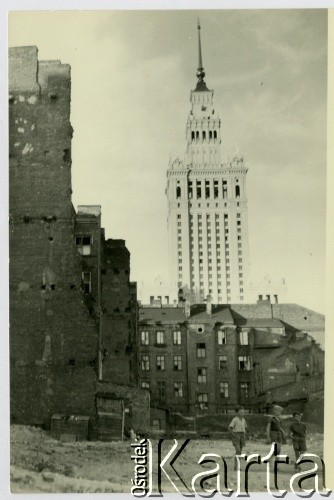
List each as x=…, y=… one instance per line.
x=53, y=348
x=119, y=314
x=136, y=404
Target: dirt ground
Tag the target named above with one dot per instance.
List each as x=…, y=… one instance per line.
x=42, y=464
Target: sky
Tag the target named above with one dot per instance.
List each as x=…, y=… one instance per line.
x=132, y=73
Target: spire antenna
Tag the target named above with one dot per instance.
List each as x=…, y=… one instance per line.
x=200, y=64
x=200, y=70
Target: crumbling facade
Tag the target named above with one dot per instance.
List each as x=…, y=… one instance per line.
x=53, y=349
x=119, y=315
x=73, y=309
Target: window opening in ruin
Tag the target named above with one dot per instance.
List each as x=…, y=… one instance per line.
x=215, y=134
x=72, y=287
x=53, y=287
x=178, y=192
x=83, y=244
x=86, y=282
x=67, y=155
x=53, y=97
x=237, y=191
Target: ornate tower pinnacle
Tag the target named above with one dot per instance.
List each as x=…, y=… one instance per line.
x=201, y=86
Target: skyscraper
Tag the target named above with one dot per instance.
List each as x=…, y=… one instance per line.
x=207, y=209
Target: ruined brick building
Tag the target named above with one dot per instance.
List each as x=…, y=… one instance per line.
x=73, y=309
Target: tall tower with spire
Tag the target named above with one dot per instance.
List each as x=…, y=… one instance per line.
x=207, y=209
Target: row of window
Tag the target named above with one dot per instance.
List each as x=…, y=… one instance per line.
x=208, y=205
x=244, y=362
x=208, y=218
x=196, y=135
x=202, y=398
x=208, y=190
x=160, y=337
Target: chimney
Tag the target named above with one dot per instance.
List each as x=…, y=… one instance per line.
x=208, y=305
x=262, y=300
x=187, y=308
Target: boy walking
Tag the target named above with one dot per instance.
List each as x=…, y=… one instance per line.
x=274, y=431
x=238, y=429
x=298, y=434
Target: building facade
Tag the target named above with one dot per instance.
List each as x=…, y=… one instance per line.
x=207, y=209
x=209, y=359
x=53, y=338
x=73, y=308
